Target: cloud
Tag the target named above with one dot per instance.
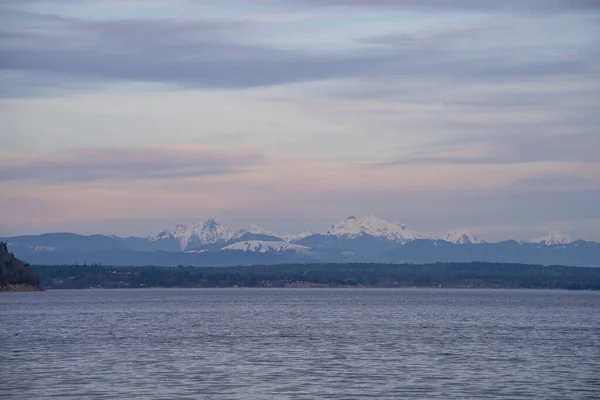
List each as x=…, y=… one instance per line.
x=440, y=4
x=186, y=52
x=173, y=168
x=85, y=165
x=509, y=148
x=425, y=197
x=467, y=99
x=232, y=53
x=460, y=5
x=49, y=189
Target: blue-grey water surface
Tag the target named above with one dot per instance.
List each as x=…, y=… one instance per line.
x=300, y=344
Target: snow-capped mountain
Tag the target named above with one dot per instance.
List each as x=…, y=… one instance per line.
x=198, y=233
x=261, y=246
x=252, y=230
x=364, y=239
x=353, y=227
x=553, y=238
x=462, y=237
x=296, y=236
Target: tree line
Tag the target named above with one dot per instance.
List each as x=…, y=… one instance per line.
x=14, y=271
x=474, y=274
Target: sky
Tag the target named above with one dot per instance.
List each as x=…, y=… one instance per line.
x=130, y=116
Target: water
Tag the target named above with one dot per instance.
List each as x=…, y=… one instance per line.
x=300, y=344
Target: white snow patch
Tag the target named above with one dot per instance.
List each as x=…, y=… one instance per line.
x=263, y=246
x=203, y=232
x=44, y=249
x=296, y=236
x=462, y=237
x=353, y=227
x=553, y=238
x=254, y=230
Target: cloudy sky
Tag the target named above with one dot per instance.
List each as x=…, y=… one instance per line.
x=129, y=116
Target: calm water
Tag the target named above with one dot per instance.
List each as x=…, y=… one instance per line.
x=300, y=344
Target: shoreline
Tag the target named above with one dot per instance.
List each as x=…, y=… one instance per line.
x=20, y=288
x=314, y=288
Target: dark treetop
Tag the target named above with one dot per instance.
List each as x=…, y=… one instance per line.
x=474, y=274
x=14, y=274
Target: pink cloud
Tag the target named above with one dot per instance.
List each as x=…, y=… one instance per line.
x=91, y=164
x=70, y=186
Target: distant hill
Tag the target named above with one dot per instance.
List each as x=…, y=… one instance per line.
x=14, y=274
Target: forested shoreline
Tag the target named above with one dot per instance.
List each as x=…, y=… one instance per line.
x=473, y=275
x=16, y=276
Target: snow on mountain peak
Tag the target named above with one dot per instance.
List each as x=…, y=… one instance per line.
x=373, y=226
x=211, y=223
x=203, y=232
x=462, y=237
x=553, y=238
x=296, y=236
x=254, y=230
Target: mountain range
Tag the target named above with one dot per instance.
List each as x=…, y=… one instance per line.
x=364, y=239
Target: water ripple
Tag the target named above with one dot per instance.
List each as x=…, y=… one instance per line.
x=300, y=344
